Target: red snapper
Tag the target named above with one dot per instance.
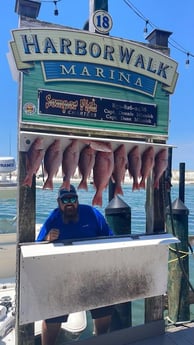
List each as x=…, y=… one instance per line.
x=52, y=161
x=34, y=159
x=120, y=166
x=147, y=165
x=134, y=166
x=102, y=171
x=70, y=162
x=85, y=165
x=161, y=163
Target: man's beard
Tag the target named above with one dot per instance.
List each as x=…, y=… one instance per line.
x=70, y=214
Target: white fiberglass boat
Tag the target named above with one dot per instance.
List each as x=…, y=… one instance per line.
x=8, y=185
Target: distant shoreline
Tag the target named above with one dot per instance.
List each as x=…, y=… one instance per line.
x=189, y=177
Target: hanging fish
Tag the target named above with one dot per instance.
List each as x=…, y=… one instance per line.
x=146, y=165
x=161, y=163
x=102, y=172
x=34, y=159
x=85, y=165
x=134, y=166
x=120, y=165
x=52, y=161
x=70, y=162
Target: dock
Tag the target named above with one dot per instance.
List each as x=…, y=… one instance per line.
x=174, y=335
x=183, y=334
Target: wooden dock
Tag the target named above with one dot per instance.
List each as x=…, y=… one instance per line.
x=174, y=335
x=179, y=335
x=182, y=334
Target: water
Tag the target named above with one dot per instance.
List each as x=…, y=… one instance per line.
x=135, y=200
x=46, y=201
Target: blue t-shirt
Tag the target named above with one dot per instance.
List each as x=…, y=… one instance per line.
x=91, y=223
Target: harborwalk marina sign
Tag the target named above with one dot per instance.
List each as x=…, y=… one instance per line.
x=76, y=78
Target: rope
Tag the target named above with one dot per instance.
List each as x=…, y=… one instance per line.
x=185, y=254
x=179, y=251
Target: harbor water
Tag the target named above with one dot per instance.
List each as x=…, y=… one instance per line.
x=46, y=201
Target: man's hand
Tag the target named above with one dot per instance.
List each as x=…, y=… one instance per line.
x=52, y=235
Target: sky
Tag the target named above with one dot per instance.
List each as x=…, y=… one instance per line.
x=170, y=15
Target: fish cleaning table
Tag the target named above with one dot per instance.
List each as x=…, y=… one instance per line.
x=57, y=279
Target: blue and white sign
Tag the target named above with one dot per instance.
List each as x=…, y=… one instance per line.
x=102, y=21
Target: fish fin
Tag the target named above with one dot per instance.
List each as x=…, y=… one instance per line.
x=83, y=185
x=97, y=199
x=104, y=147
x=118, y=190
x=156, y=184
x=48, y=184
x=135, y=186
x=66, y=184
x=142, y=184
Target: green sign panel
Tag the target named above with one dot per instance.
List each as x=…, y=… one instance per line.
x=124, y=85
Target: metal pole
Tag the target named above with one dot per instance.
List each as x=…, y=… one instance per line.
x=95, y=5
x=182, y=182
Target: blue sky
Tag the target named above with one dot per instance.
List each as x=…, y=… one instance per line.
x=170, y=15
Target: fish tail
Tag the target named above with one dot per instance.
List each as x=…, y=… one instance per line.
x=97, y=199
x=83, y=185
x=156, y=184
x=135, y=186
x=66, y=184
x=118, y=190
x=48, y=184
x=142, y=184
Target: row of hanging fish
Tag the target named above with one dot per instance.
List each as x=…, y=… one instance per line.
x=98, y=158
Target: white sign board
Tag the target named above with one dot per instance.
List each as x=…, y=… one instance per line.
x=58, y=279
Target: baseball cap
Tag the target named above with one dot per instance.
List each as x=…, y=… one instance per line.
x=67, y=192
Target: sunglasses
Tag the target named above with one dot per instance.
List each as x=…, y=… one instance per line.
x=70, y=200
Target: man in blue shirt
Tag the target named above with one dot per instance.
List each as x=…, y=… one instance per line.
x=72, y=220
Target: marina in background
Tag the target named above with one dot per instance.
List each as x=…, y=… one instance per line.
x=8, y=183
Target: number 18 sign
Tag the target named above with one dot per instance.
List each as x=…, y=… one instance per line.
x=102, y=21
